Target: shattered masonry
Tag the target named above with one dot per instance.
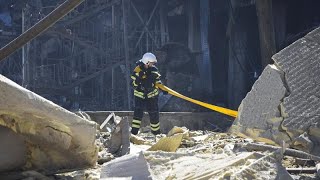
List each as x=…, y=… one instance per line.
x=284, y=103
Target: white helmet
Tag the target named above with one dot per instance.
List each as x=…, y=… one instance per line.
x=148, y=57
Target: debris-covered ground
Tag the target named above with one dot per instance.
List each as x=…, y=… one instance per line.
x=41, y=140
x=183, y=154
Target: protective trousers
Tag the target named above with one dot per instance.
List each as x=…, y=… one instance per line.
x=151, y=105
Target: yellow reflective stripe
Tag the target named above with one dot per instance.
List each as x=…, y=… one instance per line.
x=153, y=93
x=155, y=72
x=155, y=129
x=134, y=83
x=135, y=126
x=138, y=94
x=133, y=77
x=136, y=121
x=137, y=74
x=155, y=125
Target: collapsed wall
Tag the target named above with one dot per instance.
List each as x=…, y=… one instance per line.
x=38, y=134
x=284, y=104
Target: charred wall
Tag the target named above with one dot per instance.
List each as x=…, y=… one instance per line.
x=79, y=63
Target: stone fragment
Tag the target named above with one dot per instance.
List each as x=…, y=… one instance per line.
x=259, y=116
x=52, y=138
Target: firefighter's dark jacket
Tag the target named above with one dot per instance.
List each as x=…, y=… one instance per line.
x=144, y=81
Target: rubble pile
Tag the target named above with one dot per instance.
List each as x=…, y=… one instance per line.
x=37, y=134
x=283, y=105
x=182, y=154
x=275, y=136
x=200, y=155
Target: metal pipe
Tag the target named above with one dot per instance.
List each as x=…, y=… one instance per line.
x=38, y=28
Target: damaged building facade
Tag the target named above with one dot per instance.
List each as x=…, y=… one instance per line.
x=261, y=56
x=205, y=48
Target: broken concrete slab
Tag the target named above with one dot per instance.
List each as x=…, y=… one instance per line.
x=259, y=116
x=166, y=165
x=133, y=166
x=290, y=110
x=301, y=65
x=53, y=137
x=168, y=144
x=196, y=166
x=267, y=167
x=120, y=138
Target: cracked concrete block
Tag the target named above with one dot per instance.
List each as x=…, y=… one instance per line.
x=120, y=138
x=259, y=115
x=301, y=65
x=292, y=111
x=53, y=137
x=132, y=166
x=303, y=143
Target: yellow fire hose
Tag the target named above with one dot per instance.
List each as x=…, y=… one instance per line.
x=206, y=105
x=209, y=106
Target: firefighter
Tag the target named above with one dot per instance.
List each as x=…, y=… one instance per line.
x=144, y=79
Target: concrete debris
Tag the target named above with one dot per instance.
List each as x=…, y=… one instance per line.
x=178, y=130
x=304, y=162
x=104, y=159
x=137, y=140
x=38, y=134
x=259, y=115
x=127, y=167
x=289, y=152
x=302, y=170
x=34, y=175
x=168, y=144
x=196, y=166
x=303, y=142
x=200, y=138
x=120, y=138
x=267, y=167
x=211, y=156
x=214, y=155
x=86, y=174
x=283, y=104
x=106, y=121
x=84, y=115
